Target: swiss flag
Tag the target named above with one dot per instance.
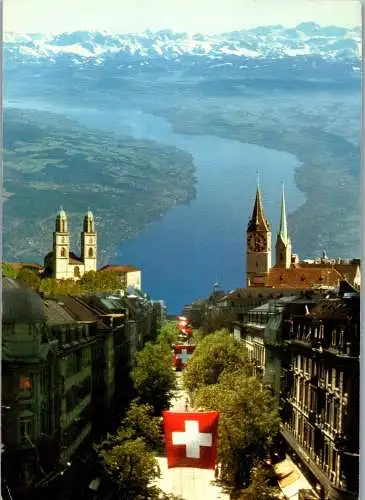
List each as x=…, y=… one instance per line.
x=191, y=439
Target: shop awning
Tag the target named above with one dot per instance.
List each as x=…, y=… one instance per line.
x=290, y=479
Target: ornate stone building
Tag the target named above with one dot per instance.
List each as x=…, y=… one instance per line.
x=62, y=362
x=61, y=263
x=321, y=404
x=46, y=386
x=306, y=348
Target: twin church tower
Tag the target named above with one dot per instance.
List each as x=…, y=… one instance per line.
x=259, y=244
x=60, y=263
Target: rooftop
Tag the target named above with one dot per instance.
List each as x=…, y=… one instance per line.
x=74, y=259
x=17, y=266
x=126, y=268
x=21, y=304
x=303, y=277
x=77, y=309
x=56, y=314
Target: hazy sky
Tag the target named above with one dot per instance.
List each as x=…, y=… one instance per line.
x=180, y=15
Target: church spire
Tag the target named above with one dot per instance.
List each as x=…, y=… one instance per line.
x=283, y=243
x=283, y=229
x=258, y=220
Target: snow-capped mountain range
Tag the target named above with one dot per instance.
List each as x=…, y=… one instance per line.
x=269, y=42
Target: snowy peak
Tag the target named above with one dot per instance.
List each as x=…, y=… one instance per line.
x=273, y=42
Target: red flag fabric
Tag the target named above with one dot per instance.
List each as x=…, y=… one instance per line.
x=186, y=331
x=191, y=439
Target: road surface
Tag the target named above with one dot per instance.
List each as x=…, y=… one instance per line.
x=188, y=483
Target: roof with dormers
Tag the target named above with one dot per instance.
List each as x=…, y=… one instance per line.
x=347, y=270
x=336, y=308
x=240, y=295
x=303, y=277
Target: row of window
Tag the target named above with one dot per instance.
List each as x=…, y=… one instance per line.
x=74, y=430
x=257, y=318
x=90, y=253
x=307, y=332
x=257, y=354
x=78, y=360
x=332, y=377
x=306, y=397
x=77, y=393
x=31, y=329
x=318, y=447
x=69, y=334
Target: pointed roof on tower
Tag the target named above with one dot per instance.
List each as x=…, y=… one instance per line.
x=61, y=213
x=283, y=229
x=89, y=214
x=258, y=221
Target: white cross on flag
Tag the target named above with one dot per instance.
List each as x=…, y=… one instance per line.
x=191, y=439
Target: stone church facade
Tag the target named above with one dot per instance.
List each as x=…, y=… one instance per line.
x=61, y=263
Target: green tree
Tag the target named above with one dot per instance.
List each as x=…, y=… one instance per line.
x=218, y=320
x=100, y=281
x=140, y=420
x=215, y=353
x=260, y=488
x=169, y=333
x=8, y=271
x=128, y=456
x=29, y=278
x=249, y=419
x=131, y=466
x=153, y=376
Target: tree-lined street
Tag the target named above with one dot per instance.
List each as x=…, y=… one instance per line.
x=184, y=482
x=217, y=379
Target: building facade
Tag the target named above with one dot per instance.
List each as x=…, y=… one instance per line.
x=46, y=388
x=306, y=348
x=66, y=363
x=321, y=408
x=130, y=276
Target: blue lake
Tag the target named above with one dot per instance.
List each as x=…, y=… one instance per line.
x=182, y=254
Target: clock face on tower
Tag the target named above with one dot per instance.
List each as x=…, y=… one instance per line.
x=257, y=243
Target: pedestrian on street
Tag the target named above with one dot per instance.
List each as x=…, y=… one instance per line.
x=186, y=404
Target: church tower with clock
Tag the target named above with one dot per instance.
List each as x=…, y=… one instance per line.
x=258, y=245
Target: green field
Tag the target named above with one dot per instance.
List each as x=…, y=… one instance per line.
x=50, y=161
